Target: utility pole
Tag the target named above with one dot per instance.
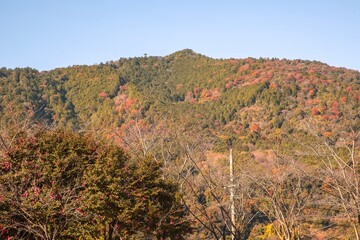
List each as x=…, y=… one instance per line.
x=232, y=207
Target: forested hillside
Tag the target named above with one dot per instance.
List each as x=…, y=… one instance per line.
x=293, y=126
x=220, y=94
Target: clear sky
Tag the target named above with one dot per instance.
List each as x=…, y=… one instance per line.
x=45, y=34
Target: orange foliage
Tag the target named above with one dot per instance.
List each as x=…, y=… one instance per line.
x=312, y=92
x=343, y=99
x=213, y=94
x=129, y=102
x=103, y=95
x=298, y=76
x=255, y=127
x=244, y=68
x=233, y=61
x=314, y=111
x=273, y=86
x=256, y=74
x=327, y=134
x=119, y=108
x=229, y=84
x=335, y=104
x=332, y=117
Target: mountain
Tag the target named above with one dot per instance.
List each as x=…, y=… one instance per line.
x=231, y=95
x=293, y=125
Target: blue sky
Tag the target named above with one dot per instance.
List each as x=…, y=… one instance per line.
x=45, y=34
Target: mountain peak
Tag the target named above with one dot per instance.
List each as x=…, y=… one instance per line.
x=185, y=53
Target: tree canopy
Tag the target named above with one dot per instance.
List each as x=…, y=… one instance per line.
x=58, y=184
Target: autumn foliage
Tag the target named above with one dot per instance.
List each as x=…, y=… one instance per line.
x=162, y=109
x=59, y=184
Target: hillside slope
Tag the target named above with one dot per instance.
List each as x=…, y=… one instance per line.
x=294, y=127
x=233, y=95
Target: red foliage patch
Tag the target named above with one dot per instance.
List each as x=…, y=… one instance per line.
x=103, y=95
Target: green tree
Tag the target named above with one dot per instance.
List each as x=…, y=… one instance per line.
x=59, y=184
x=130, y=199
x=40, y=181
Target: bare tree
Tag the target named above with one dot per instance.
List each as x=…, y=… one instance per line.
x=16, y=123
x=337, y=151
x=40, y=213
x=205, y=181
x=285, y=190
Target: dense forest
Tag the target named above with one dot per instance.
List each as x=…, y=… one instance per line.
x=139, y=148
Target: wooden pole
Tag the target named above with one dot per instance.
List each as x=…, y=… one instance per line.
x=232, y=207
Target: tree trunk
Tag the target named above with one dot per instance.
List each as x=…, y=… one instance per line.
x=110, y=231
x=355, y=226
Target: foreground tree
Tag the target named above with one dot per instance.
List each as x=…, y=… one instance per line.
x=132, y=199
x=60, y=185
x=40, y=181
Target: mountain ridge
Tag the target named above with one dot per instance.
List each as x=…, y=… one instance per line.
x=285, y=120
x=110, y=94
x=184, y=52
